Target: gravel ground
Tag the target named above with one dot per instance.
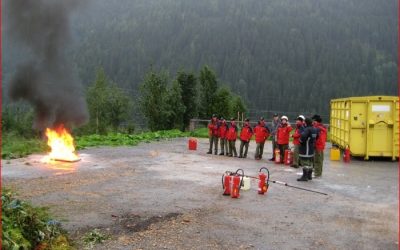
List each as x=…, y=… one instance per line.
x=162, y=196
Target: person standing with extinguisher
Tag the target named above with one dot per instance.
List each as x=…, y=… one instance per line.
x=319, y=145
x=282, y=135
x=274, y=128
x=222, y=131
x=306, y=150
x=231, y=136
x=261, y=133
x=245, y=135
x=296, y=140
x=213, y=134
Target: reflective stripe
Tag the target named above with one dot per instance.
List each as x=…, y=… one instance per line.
x=306, y=156
x=307, y=148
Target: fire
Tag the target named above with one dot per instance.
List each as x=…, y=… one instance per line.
x=62, y=145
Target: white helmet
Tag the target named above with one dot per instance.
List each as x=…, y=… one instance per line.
x=284, y=117
x=302, y=117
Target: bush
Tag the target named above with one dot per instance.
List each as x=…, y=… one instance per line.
x=16, y=146
x=18, y=118
x=28, y=227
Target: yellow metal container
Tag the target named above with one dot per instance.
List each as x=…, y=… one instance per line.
x=369, y=125
x=335, y=154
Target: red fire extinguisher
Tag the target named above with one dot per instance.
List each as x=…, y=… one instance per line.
x=346, y=155
x=226, y=182
x=237, y=183
x=232, y=182
x=235, y=186
x=263, y=183
x=288, y=159
x=192, y=144
x=277, y=156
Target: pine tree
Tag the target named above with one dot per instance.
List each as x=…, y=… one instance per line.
x=97, y=102
x=188, y=84
x=108, y=105
x=153, y=100
x=222, y=102
x=209, y=87
x=175, y=107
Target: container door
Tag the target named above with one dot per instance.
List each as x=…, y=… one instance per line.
x=381, y=124
x=358, y=138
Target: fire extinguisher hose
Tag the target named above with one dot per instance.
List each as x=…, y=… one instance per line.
x=267, y=172
x=242, y=175
x=305, y=189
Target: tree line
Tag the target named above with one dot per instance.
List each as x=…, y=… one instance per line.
x=165, y=102
x=281, y=55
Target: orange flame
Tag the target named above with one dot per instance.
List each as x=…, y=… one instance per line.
x=62, y=145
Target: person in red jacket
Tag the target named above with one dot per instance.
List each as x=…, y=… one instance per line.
x=282, y=136
x=231, y=136
x=319, y=145
x=261, y=133
x=213, y=134
x=245, y=135
x=222, y=131
x=296, y=140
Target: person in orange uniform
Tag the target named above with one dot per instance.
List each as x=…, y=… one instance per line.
x=222, y=131
x=261, y=133
x=245, y=135
x=283, y=134
x=296, y=140
x=213, y=134
x=231, y=136
x=319, y=145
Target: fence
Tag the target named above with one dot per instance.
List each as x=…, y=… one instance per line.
x=202, y=123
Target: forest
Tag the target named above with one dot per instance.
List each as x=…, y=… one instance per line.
x=285, y=56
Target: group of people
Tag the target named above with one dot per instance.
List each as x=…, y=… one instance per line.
x=309, y=140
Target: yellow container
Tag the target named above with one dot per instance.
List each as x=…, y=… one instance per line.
x=335, y=154
x=369, y=125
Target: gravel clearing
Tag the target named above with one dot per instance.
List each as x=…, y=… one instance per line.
x=162, y=196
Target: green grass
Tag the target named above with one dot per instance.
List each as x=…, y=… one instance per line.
x=27, y=227
x=14, y=146
x=200, y=133
x=120, y=139
x=17, y=146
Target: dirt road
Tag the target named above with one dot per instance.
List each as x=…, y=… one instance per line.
x=162, y=196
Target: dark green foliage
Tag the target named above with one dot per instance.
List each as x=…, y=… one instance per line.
x=208, y=90
x=26, y=227
x=175, y=107
x=153, y=100
x=118, y=106
x=188, y=83
x=237, y=105
x=19, y=119
x=286, y=55
x=108, y=105
x=16, y=146
x=222, y=103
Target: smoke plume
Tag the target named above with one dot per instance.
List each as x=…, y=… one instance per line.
x=48, y=80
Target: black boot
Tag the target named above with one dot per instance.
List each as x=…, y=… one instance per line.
x=221, y=153
x=304, y=177
x=309, y=174
x=209, y=152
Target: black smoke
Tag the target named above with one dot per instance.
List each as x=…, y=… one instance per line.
x=47, y=81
